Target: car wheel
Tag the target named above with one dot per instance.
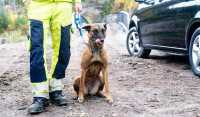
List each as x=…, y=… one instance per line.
x=134, y=45
x=194, y=52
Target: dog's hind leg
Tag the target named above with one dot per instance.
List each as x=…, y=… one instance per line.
x=101, y=86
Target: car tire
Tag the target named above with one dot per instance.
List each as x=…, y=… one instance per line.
x=134, y=45
x=194, y=52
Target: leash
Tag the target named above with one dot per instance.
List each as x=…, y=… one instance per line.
x=78, y=23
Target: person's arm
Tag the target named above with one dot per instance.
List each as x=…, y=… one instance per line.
x=78, y=6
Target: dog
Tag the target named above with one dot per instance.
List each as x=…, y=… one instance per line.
x=94, y=66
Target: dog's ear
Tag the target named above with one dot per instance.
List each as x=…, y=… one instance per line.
x=87, y=27
x=105, y=26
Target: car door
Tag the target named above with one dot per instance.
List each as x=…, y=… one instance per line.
x=145, y=21
x=156, y=24
x=160, y=30
x=185, y=11
x=164, y=25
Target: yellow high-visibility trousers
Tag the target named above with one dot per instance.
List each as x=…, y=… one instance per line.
x=45, y=15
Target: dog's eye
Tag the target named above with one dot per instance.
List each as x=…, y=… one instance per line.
x=95, y=31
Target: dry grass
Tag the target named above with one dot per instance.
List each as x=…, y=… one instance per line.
x=13, y=36
x=126, y=5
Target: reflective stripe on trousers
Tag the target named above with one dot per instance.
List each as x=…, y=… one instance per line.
x=42, y=89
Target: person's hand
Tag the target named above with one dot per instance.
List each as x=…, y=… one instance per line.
x=78, y=7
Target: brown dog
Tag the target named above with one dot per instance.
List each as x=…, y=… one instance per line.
x=94, y=66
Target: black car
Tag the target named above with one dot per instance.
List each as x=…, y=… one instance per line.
x=169, y=25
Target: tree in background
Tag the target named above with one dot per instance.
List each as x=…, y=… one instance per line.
x=112, y=6
x=16, y=4
x=126, y=5
x=3, y=20
x=12, y=15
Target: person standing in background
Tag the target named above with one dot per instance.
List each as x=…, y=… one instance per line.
x=56, y=16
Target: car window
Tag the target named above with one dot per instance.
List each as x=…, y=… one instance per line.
x=161, y=1
x=150, y=1
x=164, y=1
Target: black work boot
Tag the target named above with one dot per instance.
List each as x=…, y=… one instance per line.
x=39, y=105
x=57, y=98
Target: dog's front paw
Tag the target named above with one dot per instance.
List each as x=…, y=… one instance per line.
x=109, y=100
x=80, y=99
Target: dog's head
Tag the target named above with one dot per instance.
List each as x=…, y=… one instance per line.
x=96, y=33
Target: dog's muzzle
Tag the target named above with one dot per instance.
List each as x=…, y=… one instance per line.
x=99, y=41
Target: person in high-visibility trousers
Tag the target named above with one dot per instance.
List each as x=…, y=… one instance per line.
x=56, y=16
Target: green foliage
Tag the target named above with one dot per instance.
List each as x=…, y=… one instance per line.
x=107, y=7
x=16, y=3
x=3, y=20
x=19, y=2
x=11, y=20
x=21, y=21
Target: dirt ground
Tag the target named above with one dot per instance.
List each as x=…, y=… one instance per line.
x=161, y=86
